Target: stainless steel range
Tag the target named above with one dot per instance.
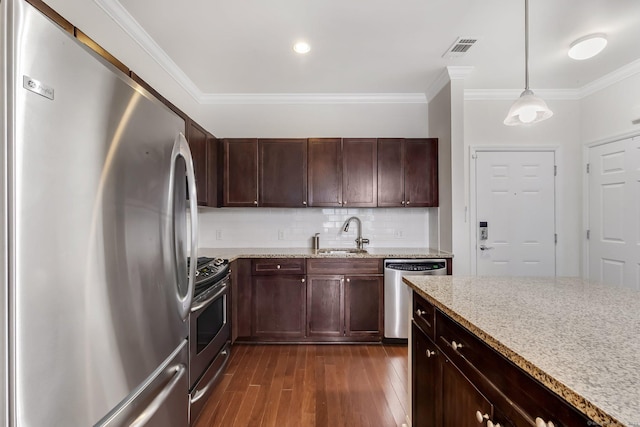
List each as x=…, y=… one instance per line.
x=209, y=331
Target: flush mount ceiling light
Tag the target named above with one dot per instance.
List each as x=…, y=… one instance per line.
x=528, y=108
x=302, y=47
x=588, y=46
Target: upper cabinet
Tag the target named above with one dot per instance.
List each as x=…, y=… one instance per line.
x=282, y=171
x=325, y=172
x=342, y=172
x=197, y=138
x=359, y=172
x=408, y=172
x=240, y=172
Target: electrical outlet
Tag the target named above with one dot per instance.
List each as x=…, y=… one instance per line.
x=280, y=234
x=218, y=234
x=398, y=234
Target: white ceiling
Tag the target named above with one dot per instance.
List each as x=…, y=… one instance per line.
x=382, y=46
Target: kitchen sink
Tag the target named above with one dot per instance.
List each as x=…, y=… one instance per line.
x=342, y=251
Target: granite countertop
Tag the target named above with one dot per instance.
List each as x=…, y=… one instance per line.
x=580, y=339
x=235, y=253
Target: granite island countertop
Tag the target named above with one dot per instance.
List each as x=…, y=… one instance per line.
x=235, y=253
x=580, y=339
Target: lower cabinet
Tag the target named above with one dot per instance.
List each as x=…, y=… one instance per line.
x=462, y=382
x=315, y=300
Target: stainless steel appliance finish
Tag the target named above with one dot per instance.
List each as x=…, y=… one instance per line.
x=94, y=264
x=209, y=340
x=397, y=295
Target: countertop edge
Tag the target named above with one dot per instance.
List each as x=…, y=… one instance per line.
x=574, y=399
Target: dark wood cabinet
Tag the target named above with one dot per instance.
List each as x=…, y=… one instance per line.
x=197, y=138
x=359, y=172
x=364, y=306
x=214, y=175
x=407, y=172
x=282, y=170
x=472, y=380
x=240, y=172
x=325, y=306
x=345, y=299
x=278, y=306
x=324, y=172
x=425, y=381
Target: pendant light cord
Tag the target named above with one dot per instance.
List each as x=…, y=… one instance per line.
x=526, y=44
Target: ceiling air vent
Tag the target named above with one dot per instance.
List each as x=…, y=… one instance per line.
x=460, y=47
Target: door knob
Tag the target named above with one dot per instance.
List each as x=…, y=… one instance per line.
x=485, y=248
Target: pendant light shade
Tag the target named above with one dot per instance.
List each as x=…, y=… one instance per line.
x=529, y=108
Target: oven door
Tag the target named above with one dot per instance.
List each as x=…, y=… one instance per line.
x=208, y=328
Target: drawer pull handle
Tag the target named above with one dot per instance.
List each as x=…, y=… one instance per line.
x=480, y=417
x=456, y=346
x=541, y=423
x=420, y=312
x=430, y=353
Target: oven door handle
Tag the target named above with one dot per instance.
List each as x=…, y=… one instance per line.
x=201, y=392
x=222, y=288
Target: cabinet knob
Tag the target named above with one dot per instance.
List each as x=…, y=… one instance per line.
x=402, y=203
x=344, y=203
x=480, y=417
x=491, y=424
x=408, y=202
x=420, y=312
x=430, y=353
x=348, y=280
x=456, y=346
x=303, y=280
x=255, y=202
x=278, y=266
x=304, y=203
x=541, y=423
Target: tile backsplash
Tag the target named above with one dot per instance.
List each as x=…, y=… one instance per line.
x=280, y=227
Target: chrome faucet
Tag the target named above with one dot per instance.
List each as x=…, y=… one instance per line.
x=360, y=242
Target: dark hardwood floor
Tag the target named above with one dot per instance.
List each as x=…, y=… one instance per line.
x=311, y=385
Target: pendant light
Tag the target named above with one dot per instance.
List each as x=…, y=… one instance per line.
x=528, y=108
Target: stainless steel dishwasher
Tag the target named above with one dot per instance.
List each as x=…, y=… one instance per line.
x=397, y=295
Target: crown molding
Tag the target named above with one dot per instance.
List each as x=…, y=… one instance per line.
x=448, y=74
x=314, y=98
x=128, y=23
x=610, y=79
x=459, y=71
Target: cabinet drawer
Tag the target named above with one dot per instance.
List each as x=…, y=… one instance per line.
x=344, y=266
x=524, y=398
x=271, y=266
x=424, y=315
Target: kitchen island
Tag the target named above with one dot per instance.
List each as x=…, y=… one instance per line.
x=578, y=339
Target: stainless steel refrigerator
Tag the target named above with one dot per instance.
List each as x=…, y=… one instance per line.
x=95, y=236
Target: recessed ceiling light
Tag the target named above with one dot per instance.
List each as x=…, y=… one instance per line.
x=588, y=46
x=302, y=47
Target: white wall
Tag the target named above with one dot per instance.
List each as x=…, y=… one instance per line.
x=265, y=227
x=484, y=128
x=607, y=114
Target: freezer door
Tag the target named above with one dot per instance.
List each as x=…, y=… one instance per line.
x=160, y=401
x=98, y=303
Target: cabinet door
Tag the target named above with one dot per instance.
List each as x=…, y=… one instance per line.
x=363, y=306
x=278, y=306
x=197, y=138
x=325, y=171
x=282, y=173
x=391, y=172
x=325, y=306
x=359, y=172
x=460, y=399
x=421, y=172
x=425, y=384
x=240, y=172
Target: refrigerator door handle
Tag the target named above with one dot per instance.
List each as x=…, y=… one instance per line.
x=160, y=398
x=181, y=150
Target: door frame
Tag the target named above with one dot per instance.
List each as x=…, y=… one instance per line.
x=587, y=146
x=473, y=235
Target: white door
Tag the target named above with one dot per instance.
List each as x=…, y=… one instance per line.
x=515, y=196
x=614, y=213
